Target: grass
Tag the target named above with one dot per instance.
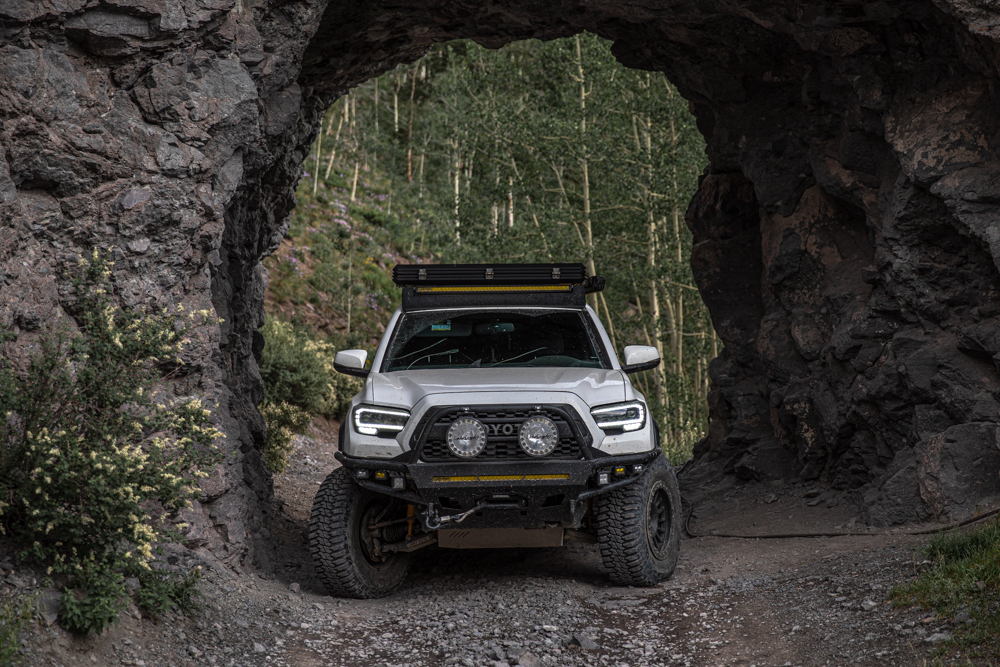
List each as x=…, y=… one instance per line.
x=16, y=611
x=963, y=577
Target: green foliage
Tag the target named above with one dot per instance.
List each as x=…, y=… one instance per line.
x=291, y=369
x=965, y=576
x=283, y=422
x=87, y=450
x=536, y=152
x=92, y=607
x=161, y=591
x=297, y=369
x=16, y=611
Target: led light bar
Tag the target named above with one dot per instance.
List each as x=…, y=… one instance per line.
x=629, y=416
x=461, y=289
x=499, y=478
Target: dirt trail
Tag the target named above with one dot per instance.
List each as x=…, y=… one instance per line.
x=803, y=601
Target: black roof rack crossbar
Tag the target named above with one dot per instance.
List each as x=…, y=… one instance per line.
x=427, y=275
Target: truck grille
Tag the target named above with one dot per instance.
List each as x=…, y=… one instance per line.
x=502, y=426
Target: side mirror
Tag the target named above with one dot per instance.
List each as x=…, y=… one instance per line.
x=640, y=358
x=351, y=362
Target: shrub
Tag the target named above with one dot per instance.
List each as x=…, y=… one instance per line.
x=16, y=611
x=291, y=369
x=283, y=422
x=162, y=591
x=87, y=452
x=298, y=370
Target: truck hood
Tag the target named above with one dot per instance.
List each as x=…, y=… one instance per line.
x=406, y=388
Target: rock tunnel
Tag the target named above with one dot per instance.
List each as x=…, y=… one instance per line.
x=847, y=229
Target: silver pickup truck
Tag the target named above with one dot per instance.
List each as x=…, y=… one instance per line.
x=495, y=413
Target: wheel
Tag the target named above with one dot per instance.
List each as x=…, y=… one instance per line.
x=344, y=554
x=639, y=527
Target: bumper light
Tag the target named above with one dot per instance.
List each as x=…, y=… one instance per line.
x=603, y=478
x=361, y=473
x=629, y=416
x=466, y=437
x=539, y=436
x=398, y=483
x=385, y=422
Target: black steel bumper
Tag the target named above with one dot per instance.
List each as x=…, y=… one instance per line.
x=499, y=494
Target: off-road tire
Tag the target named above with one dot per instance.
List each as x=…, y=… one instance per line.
x=335, y=541
x=636, y=548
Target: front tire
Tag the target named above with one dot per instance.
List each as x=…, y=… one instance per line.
x=639, y=527
x=342, y=552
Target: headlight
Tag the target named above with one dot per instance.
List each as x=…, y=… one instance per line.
x=538, y=436
x=629, y=416
x=375, y=421
x=466, y=437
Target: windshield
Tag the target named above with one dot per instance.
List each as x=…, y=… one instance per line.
x=488, y=339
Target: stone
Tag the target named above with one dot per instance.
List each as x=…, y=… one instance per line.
x=937, y=637
x=844, y=236
x=963, y=617
x=584, y=642
x=48, y=605
x=294, y=587
x=529, y=660
x=258, y=647
x=950, y=464
x=868, y=605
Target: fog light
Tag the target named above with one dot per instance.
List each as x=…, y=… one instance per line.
x=466, y=437
x=361, y=473
x=636, y=469
x=620, y=470
x=398, y=483
x=380, y=475
x=603, y=477
x=539, y=436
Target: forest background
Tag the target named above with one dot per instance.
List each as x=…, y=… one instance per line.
x=537, y=152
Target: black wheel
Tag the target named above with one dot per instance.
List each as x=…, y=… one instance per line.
x=344, y=551
x=639, y=527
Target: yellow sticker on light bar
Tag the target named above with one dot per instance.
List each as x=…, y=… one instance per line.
x=494, y=288
x=499, y=478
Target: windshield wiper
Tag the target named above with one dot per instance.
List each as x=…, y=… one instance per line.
x=428, y=356
x=439, y=341
x=521, y=355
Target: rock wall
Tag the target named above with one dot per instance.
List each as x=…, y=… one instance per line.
x=847, y=228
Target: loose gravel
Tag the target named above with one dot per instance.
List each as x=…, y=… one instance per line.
x=732, y=602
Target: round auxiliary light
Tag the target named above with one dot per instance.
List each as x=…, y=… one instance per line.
x=539, y=436
x=466, y=437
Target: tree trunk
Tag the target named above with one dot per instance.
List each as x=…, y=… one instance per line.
x=409, y=130
x=336, y=140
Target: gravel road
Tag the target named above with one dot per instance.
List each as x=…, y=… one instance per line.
x=804, y=601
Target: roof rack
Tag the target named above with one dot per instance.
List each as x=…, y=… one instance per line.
x=427, y=286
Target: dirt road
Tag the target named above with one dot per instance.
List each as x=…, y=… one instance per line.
x=804, y=601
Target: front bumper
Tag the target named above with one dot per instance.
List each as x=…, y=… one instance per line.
x=499, y=494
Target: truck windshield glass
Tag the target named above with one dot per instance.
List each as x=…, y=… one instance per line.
x=493, y=339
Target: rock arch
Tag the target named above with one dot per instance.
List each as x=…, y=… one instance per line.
x=846, y=230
